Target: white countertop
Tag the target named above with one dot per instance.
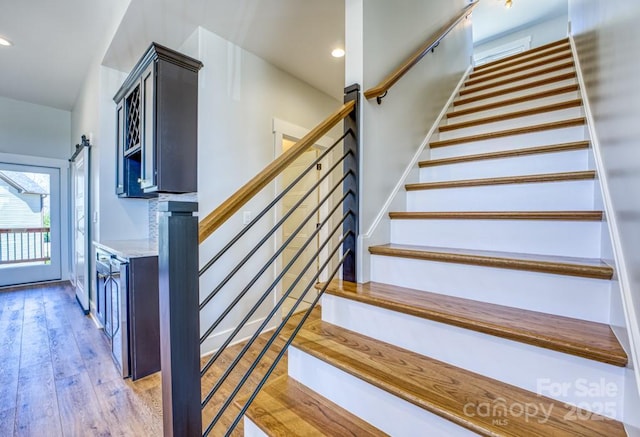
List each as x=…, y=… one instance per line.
x=129, y=248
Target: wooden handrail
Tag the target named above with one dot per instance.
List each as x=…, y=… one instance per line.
x=381, y=89
x=230, y=206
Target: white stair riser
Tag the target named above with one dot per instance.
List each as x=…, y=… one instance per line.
x=514, y=107
x=557, y=162
x=561, y=238
x=251, y=429
x=495, y=85
x=542, y=292
x=498, y=77
x=381, y=409
x=530, y=120
x=547, y=196
x=543, y=138
x=509, y=95
x=522, y=63
x=525, y=366
x=499, y=66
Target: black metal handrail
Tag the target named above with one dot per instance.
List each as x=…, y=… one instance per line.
x=244, y=282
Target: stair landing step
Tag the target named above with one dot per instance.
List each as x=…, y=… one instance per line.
x=574, y=103
x=442, y=389
x=284, y=407
x=513, y=101
x=594, y=341
x=580, y=121
x=526, y=179
x=527, y=54
x=578, y=145
x=559, y=265
x=500, y=215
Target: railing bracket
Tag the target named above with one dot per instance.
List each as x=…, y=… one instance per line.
x=379, y=98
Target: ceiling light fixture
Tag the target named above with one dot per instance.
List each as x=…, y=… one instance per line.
x=5, y=42
x=337, y=53
x=508, y=4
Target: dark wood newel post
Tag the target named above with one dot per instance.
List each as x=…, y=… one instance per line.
x=351, y=164
x=179, y=319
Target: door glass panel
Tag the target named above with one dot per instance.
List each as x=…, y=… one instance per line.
x=29, y=224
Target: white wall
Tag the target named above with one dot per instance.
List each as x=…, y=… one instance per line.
x=607, y=39
x=239, y=96
x=393, y=132
x=35, y=130
x=541, y=33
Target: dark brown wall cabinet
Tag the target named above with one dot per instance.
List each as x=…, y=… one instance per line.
x=157, y=125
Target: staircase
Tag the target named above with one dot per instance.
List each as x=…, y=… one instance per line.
x=488, y=310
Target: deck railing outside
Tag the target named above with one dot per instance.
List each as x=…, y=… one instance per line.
x=22, y=245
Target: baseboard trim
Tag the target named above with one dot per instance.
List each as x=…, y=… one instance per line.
x=30, y=285
x=631, y=317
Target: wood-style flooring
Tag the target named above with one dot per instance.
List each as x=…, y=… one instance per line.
x=57, y=377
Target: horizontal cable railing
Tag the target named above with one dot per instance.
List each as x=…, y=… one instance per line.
x=24, y=245
x=263, y=280
x=379, y=91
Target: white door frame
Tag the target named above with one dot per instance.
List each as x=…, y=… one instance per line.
x=63, y=170
x=281, y=130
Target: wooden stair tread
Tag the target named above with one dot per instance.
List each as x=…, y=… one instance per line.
x=513, y=88
x=574, y=103
x=521, y=66
x=500, y=215
x=594, y=341
x=284, y=407
x=525, y=179
x=513, y=101
x=580, y=121
x=490, y=80
x=526, y=57
x=578, y=145
x=440, y=388
x=529, y=52
x=559, y=265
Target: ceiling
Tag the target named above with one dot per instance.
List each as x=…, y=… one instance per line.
x=56, y=42
x=491, y=19
x=294, y=35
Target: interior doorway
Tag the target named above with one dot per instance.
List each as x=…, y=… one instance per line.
x=297, y=277
x=30, y=224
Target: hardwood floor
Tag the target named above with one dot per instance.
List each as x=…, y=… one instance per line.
x=57, y=377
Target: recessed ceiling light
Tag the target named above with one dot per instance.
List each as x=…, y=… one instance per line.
x=337, y=53
x=5, y=42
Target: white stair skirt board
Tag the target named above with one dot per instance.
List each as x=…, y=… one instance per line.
x=555, y=162
x=509, y=95
x=529, y=367
x=381, y=409
x=557, y=98
x=522, y=141
x=539, y=196
x=514, y=123
x=543, y=292
x=251, y=429
x=542, y=237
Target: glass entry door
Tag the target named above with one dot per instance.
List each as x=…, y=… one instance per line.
x=29, y=224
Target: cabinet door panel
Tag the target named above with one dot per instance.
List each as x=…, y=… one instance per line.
x=148, y=128
x=120, y=150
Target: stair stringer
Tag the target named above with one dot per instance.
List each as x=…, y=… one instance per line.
x=380, y=229
x=625, y=321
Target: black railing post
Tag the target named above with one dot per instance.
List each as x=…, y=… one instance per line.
x=351, y=167
x=179, y=319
